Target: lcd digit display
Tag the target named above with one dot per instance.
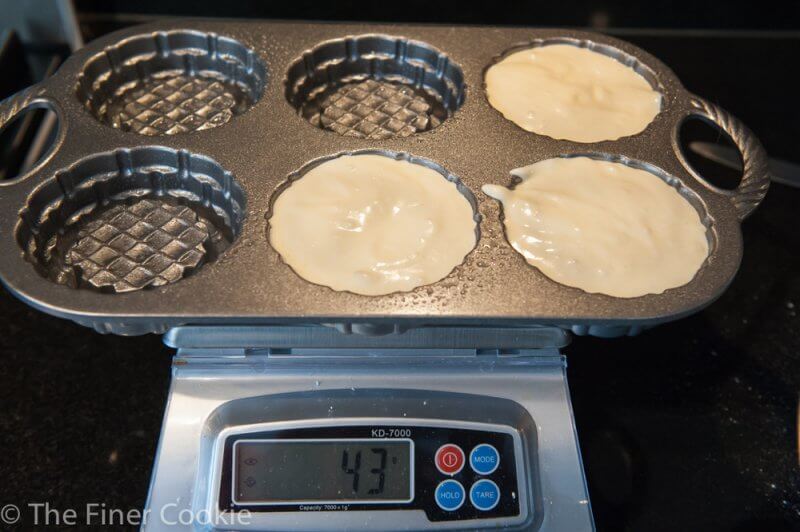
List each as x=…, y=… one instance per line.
x=322, y=471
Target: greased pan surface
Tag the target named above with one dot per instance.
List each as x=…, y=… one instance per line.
x=257, y=129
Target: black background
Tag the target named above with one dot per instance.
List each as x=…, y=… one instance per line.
x=733, y=14
x=690, y=426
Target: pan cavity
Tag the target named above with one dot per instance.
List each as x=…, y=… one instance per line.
x=375, y=86
x=373, y=222
x=170, y=82
x=605, y=225
x=130, y=219
x=574, y=90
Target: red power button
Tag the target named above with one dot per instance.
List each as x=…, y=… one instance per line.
x=449, y=459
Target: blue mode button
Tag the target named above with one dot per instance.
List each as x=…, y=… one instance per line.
x=484, y=459
x=450, y=495
x=484, y=495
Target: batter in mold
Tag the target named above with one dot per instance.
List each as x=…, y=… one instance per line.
x=602, y=227
x=571, y=93
x=372, y=224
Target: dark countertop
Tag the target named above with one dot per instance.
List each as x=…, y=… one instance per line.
x=692, y=425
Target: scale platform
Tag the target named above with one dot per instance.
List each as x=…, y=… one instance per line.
x=308, y=428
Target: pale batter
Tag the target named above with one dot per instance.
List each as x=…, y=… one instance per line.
x=372, y=225
x=571, y=93
x=603, y=227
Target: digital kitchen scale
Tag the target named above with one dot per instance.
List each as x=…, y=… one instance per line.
x=309, y=428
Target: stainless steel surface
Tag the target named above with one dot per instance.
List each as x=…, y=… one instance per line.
x=43, y=22
x=780, y=171
x=259, y=148
x=213, y=395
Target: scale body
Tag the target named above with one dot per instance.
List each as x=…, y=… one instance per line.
x=444, y=432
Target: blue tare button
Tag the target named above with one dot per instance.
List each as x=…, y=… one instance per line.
x=484, y=459
x=484, y=495
x=450, y=495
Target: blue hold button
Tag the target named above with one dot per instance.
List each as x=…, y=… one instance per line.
x=450, y=495
x=484, y=459
x=484, y=495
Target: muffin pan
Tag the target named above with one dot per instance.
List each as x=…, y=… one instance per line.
x=151, y=210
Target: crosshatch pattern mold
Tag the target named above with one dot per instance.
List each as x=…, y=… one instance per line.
x=131, y=219
x=375, y=86
x=171, y=82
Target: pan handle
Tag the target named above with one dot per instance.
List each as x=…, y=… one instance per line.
x=755, y=166
x=30, y=98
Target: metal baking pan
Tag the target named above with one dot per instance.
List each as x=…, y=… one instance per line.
x=179, y=134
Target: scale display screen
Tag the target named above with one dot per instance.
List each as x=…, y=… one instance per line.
x=274, y=472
